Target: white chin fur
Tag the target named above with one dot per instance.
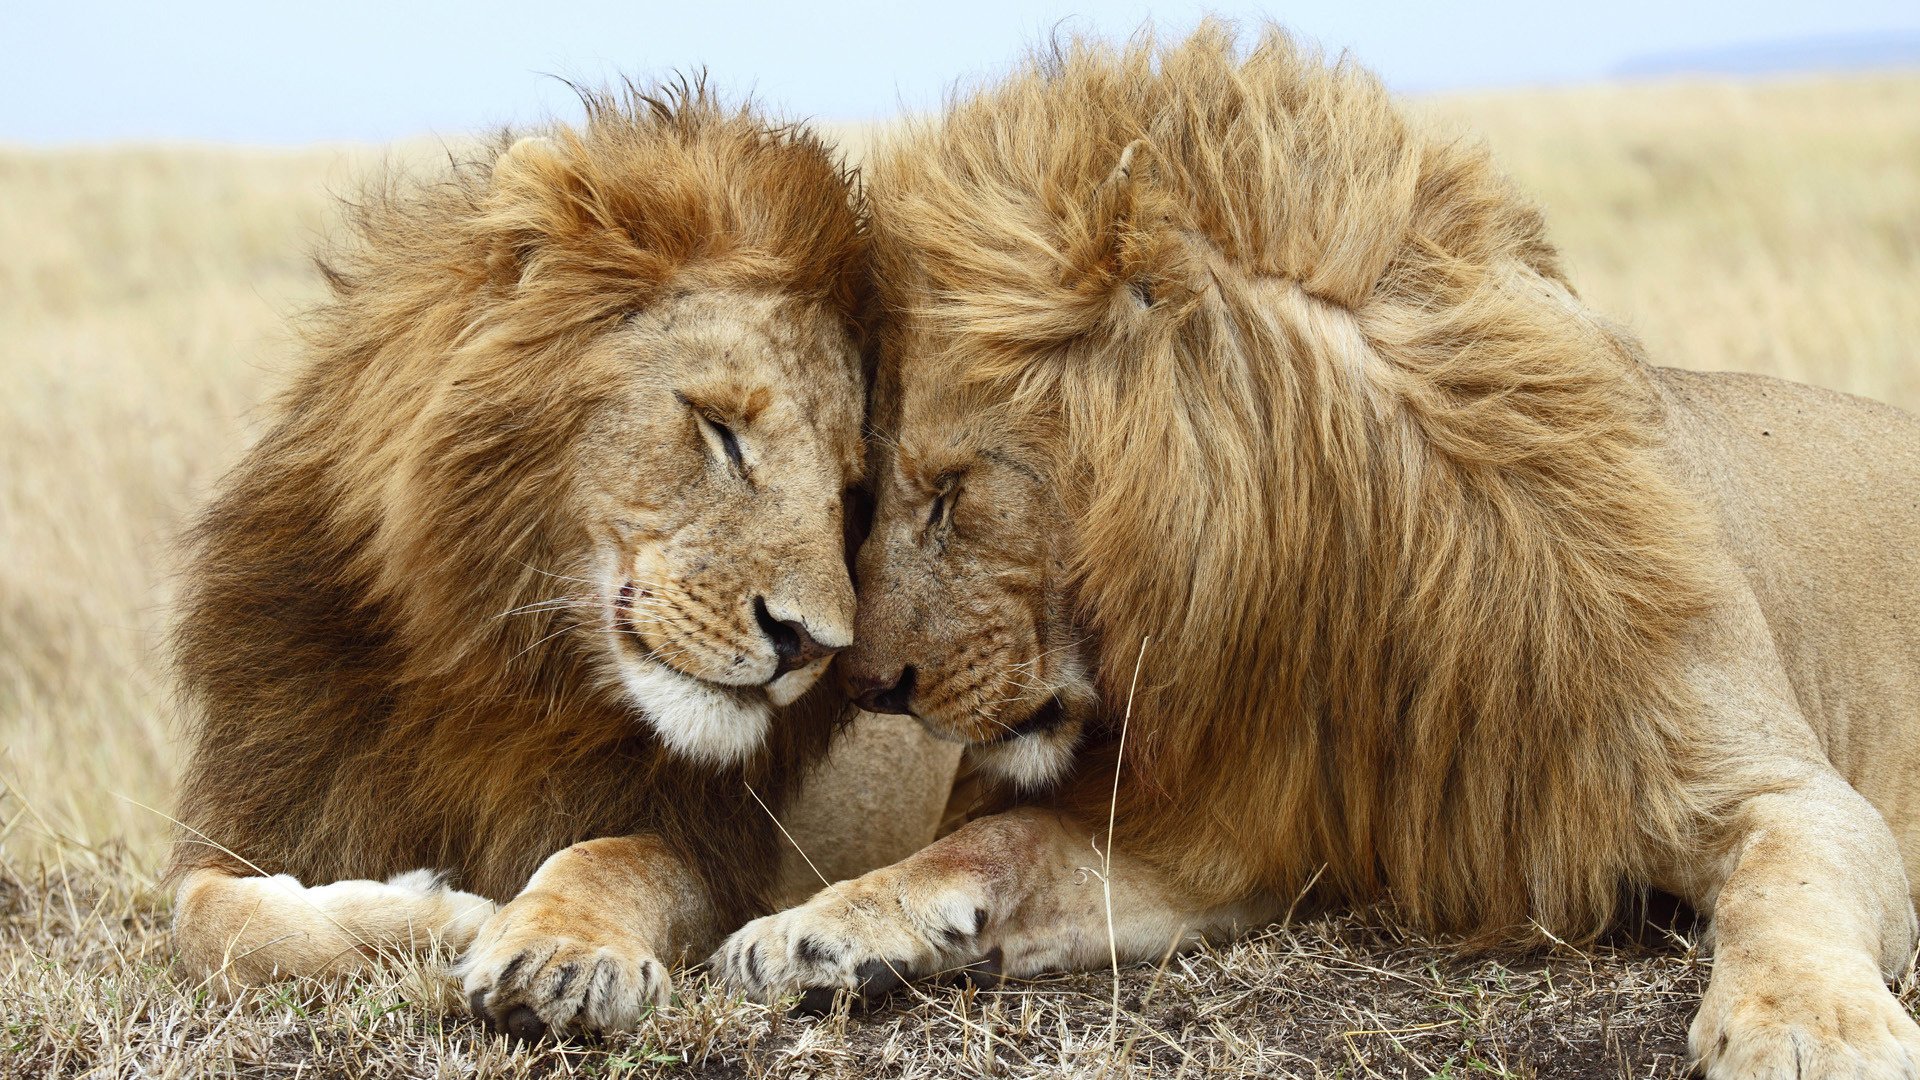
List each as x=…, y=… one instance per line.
x=1030, y=762
x=787, y=689
x=695, y=719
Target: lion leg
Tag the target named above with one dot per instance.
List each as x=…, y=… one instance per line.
x=878, y=797
x=1015, y=894
x=1810, y=920
x=581, y=949
x=232, y=931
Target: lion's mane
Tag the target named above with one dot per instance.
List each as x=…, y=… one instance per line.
x=1383, y=499
x=359, y=704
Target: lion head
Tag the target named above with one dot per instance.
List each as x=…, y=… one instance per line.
x=648, y=419
x=967, y=612
x=1215, y=393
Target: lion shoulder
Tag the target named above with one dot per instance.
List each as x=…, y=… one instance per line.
x=1816, y=495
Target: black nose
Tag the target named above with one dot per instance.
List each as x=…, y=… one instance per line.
x=792, y=645
x=889, y=697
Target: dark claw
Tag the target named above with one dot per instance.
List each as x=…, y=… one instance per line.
x=986, y=972
x=815, y=1002
x=599, y=982
x=812, y=951
x=477, y=1005
x=957, y=936
x=513, y=965
x=524, y=1024
x=878, y=978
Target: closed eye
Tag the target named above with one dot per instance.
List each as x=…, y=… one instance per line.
x=728, y=442
x=718, y=432
x=946, y=490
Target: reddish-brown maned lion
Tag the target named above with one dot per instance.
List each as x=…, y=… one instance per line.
x=1207, y=364
x=535, y=572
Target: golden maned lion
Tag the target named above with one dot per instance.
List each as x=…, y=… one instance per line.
x=529, y=586
x=1254, y=470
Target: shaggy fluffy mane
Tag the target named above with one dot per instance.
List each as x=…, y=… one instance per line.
x=360, y=705
x=1338, y=438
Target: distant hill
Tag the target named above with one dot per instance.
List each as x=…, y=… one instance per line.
x=1856, y=53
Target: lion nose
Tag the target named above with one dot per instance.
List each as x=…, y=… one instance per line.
x=884, y=695
x=793, y=647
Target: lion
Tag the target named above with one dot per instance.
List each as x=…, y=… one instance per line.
x=530, y=585
x=1261, y=501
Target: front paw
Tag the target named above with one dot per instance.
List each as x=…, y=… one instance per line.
x=1836, y=1022
x=867, y=936
x=538, y=967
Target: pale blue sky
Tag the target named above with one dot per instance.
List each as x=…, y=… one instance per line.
x=267, y=72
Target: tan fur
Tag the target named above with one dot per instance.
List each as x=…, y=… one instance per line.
x=1205, y=363
x=571, y=436
x=880, y=795
x=582, y=945
x=273, y=927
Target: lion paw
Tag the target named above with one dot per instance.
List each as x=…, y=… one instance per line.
x=527, y=981
x=865, y=937
x=1805, y=1028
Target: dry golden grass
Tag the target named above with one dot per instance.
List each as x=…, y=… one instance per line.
x=145, y=299
x=1339, y=996
x=1769, y=226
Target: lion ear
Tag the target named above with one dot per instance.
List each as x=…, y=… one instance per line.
x=520, y=207
x=1115, y=221
x=1114, y=199
x=1122, y=176
x=524, y=160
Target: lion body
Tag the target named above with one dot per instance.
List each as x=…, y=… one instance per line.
x=1360, y=368
x=385, y=634
x=363, y=709
x=1816, y=499
x=1401, y=575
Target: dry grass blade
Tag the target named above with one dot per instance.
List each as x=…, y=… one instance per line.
x=1106, y=856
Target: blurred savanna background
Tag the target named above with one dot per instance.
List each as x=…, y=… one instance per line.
x=1742, y=201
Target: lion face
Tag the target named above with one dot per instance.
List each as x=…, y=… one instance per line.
x=965, y=619
x=711, y=479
